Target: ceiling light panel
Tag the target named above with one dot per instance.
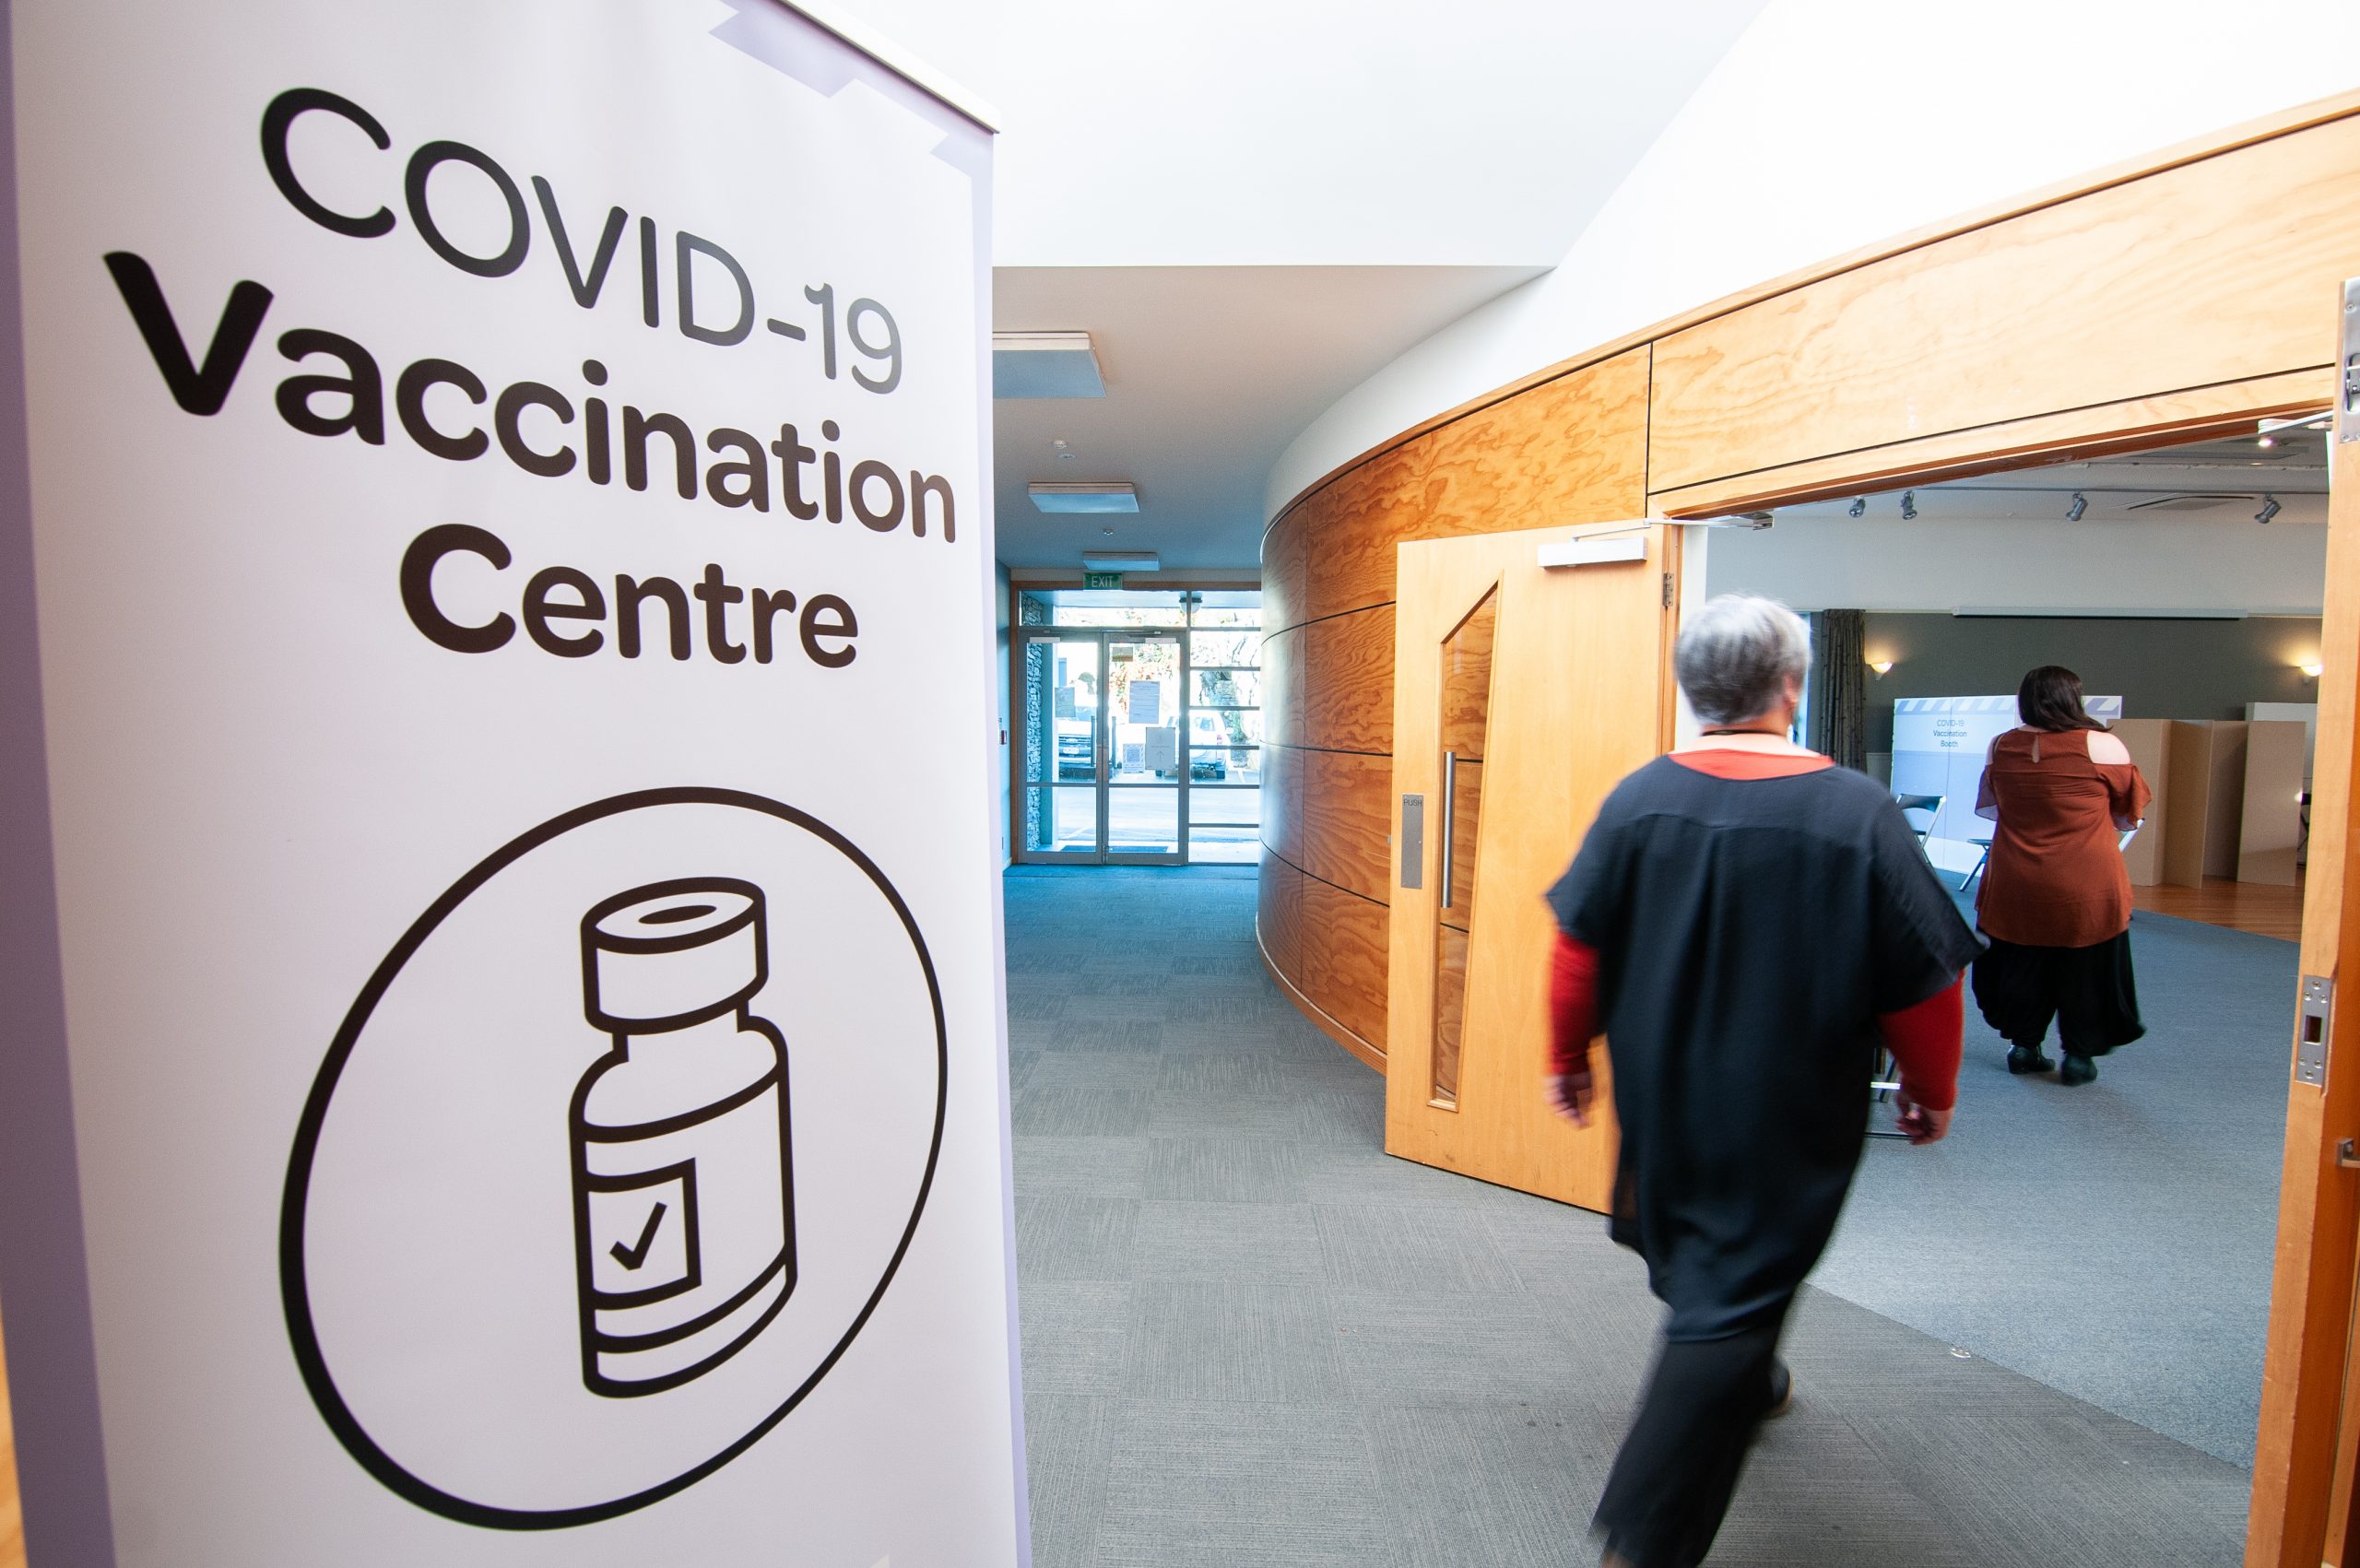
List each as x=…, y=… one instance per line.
x=1093, y=498
x=1045, y=364
x=1121, y=561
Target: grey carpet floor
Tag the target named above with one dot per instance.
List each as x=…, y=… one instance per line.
x=1252, y=1338
x=2113, y=1240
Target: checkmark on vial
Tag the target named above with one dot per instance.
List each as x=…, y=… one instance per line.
x=635, y=1255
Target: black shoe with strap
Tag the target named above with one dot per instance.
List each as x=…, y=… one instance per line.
x=2028, y=1059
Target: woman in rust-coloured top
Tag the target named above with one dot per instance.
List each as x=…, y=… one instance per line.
x=2055, y=898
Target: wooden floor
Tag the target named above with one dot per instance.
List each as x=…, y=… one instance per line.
x=2257, y=907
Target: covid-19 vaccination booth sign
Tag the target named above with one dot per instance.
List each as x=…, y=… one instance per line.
x=1940, y=745
x=505, y=1062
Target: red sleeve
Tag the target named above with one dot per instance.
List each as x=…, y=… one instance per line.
x=1926, y=1041
x=1573, y=1005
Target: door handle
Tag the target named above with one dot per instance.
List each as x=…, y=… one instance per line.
x=1449, y=818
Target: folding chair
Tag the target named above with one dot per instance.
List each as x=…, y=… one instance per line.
x=1931, y=805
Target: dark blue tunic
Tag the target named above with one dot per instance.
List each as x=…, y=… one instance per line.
x=1749, y=932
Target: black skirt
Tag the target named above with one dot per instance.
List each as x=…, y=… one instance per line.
x=2090, y=991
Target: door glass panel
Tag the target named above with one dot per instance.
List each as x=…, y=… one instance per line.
x=1224, y=688
x=1061, y=682
x=1212, y=648
x=1224, y=765
x=1466, y=692
x=1061, y=818
x=1143, y=687
x=1144, y=819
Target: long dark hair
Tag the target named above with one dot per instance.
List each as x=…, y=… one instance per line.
x=2050, y=698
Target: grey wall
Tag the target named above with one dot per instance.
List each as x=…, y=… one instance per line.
x=2162, y=669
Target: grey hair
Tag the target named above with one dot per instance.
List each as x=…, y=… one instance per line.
x=1736, y=654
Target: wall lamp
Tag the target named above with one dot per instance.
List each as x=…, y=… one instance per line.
x=2270, y=509
x=1882, y=667
x=2081, y=504
x=2312, y=670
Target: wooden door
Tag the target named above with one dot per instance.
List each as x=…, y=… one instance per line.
x=1513, y=681
x=2309, y=1444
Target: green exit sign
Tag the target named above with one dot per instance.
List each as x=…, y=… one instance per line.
x=1102, y=579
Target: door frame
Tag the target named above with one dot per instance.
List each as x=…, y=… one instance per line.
x=1103, y=788
x=2309, y=1432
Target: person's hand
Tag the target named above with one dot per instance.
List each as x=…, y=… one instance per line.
x=1921, y=1123
x=1568, y=1095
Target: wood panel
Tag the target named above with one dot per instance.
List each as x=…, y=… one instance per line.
x=12, y=1515
x=1278, y=917
x=2309, y=1439
x=2215, y=271
x=1570, y=450
x=1610, y=623
x=1347, y=820
x=2075, y=436
x=1573, y=450
x=1283, y=801
x=1282, y=687
x=1348, y=681
x=1344, y=958
x=1352, y=526
x=1284, y=596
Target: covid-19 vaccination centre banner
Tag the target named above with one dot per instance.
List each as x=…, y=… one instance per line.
x=497, y=848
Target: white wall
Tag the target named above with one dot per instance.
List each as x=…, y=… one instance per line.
x=2025, y=564
x=1833, y=123
x=1289, y=133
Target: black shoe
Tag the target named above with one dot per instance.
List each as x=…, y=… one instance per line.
x=2077, y=1070
x=1782, y=1392
x=2028, y=1059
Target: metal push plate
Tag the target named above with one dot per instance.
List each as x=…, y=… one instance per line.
x=1413, y=841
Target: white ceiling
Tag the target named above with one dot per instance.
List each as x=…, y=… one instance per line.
x=2004, y=541
x=1210, y=373
x=1254, y=205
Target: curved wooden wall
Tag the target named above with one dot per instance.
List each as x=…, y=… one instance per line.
x=2168, y=298
x=1571, y=450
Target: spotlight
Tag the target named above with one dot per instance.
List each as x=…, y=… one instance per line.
x=2081, y=504
x=1909, y=506
x=2266, y=442
x=1858, y=507
x=2270, y=509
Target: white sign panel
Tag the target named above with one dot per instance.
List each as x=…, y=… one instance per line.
x=1940, y=745
x=506, y=486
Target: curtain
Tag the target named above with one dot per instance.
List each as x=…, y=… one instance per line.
x=1839, y=687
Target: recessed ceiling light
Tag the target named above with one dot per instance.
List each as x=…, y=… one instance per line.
x=1120, y=561
x=1045, y=364
x=1084, y=498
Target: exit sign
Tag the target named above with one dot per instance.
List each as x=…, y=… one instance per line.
x=1102, y=579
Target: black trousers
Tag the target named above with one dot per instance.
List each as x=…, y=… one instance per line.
x=2090, y=991
x=1673, y=1481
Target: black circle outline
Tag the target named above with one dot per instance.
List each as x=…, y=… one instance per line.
x=295, y=1297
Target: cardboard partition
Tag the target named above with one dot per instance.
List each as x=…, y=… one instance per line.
x=2149, y=743
x=2271, y=820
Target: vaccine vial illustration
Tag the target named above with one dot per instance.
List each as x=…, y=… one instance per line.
x=684, y=1179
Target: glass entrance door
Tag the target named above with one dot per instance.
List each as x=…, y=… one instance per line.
x=1105, y=769
x=1146, y=806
